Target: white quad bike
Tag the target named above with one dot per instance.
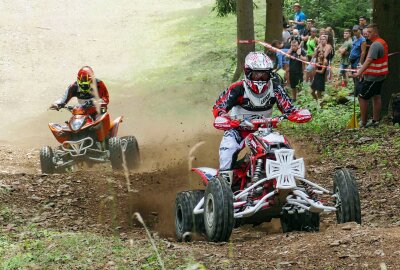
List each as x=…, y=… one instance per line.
x=268, y=182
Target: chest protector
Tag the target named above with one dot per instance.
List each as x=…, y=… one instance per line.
x=255, y=104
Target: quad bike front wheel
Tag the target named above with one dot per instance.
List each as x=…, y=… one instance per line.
x=347, y=198
x=131, y=151
x=218, y=210
x=185, y=221
x=46, y=160
x=305, y=221
x=115, y=147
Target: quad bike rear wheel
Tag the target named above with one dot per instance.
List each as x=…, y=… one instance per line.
x=305, y=221
x=46, y=160
x=218, y=210
x=132, y=153
x=185, y=222
x=115, y=147
x=347, y=198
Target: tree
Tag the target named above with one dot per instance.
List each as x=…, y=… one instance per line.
x=385, y=14
x=245, y=31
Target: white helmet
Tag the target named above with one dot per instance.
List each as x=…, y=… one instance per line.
x=257, y=69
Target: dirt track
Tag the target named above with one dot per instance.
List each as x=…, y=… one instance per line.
x=98, y=200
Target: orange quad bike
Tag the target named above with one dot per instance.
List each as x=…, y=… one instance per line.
x=89, y=138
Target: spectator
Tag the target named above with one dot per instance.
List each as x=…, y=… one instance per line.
x=374, y=71
x=344, y=51
x=318, y=84
x=285, y=33
x=280, y=65
x=323, y=46
x=296, y=67
x=368, y=42
x=273, y=55
x=362, y=22
x=322, y=32
x=296, y=36
x=306, y=32
x=312, y=42
x=299, y=17
x=357, y=51
x=331, y=41
x=311, y=45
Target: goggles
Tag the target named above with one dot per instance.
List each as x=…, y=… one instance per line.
x=259, y=75
x=84, y=85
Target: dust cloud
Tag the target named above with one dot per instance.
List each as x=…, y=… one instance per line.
x=44, y=43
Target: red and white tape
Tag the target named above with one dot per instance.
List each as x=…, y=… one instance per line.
x=270, y=47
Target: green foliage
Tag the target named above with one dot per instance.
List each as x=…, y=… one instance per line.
x=31, y=248
x=328, y=118
x=339, y=14
x=370, y=148
x=5, y=214
x=224, y=7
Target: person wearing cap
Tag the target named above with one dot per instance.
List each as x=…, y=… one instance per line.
x=299, y=17
x=374, y=72
x=357, y=52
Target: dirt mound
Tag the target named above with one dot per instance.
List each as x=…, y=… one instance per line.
x=101, y=199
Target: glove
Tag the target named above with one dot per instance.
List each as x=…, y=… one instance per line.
x=235, y=123
x=300, y=116
x=55, y=106
x=224, y=122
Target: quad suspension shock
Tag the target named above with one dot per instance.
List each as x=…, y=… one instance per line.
x=310, y=191
x=255, y=178
x=257, y=171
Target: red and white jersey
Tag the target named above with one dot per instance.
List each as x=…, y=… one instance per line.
x=237, y=99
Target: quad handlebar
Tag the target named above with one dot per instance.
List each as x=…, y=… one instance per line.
x=262, y=121
x=86, y=105
x=253, y=122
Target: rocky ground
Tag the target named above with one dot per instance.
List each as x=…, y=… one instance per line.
x=101, y=201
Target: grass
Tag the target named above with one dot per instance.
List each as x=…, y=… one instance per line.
x=34, y=248
x=198, y=62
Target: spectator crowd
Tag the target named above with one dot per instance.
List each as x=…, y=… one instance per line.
x=301, y=40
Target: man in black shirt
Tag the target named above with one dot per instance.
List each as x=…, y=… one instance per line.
x=296, y=67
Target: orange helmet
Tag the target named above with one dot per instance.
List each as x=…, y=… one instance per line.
x=85, y=78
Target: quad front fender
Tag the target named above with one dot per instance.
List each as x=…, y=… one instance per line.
x=114, y=126
x=205, y=173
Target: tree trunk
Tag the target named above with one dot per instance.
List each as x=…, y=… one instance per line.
x=274, y=20
x=245, y=31
x=274, y=23
x=385, y=14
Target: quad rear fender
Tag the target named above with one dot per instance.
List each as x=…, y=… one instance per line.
x=205, y=173
x=114, y=126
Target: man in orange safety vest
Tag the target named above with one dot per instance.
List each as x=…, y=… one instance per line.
x=373, y=71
